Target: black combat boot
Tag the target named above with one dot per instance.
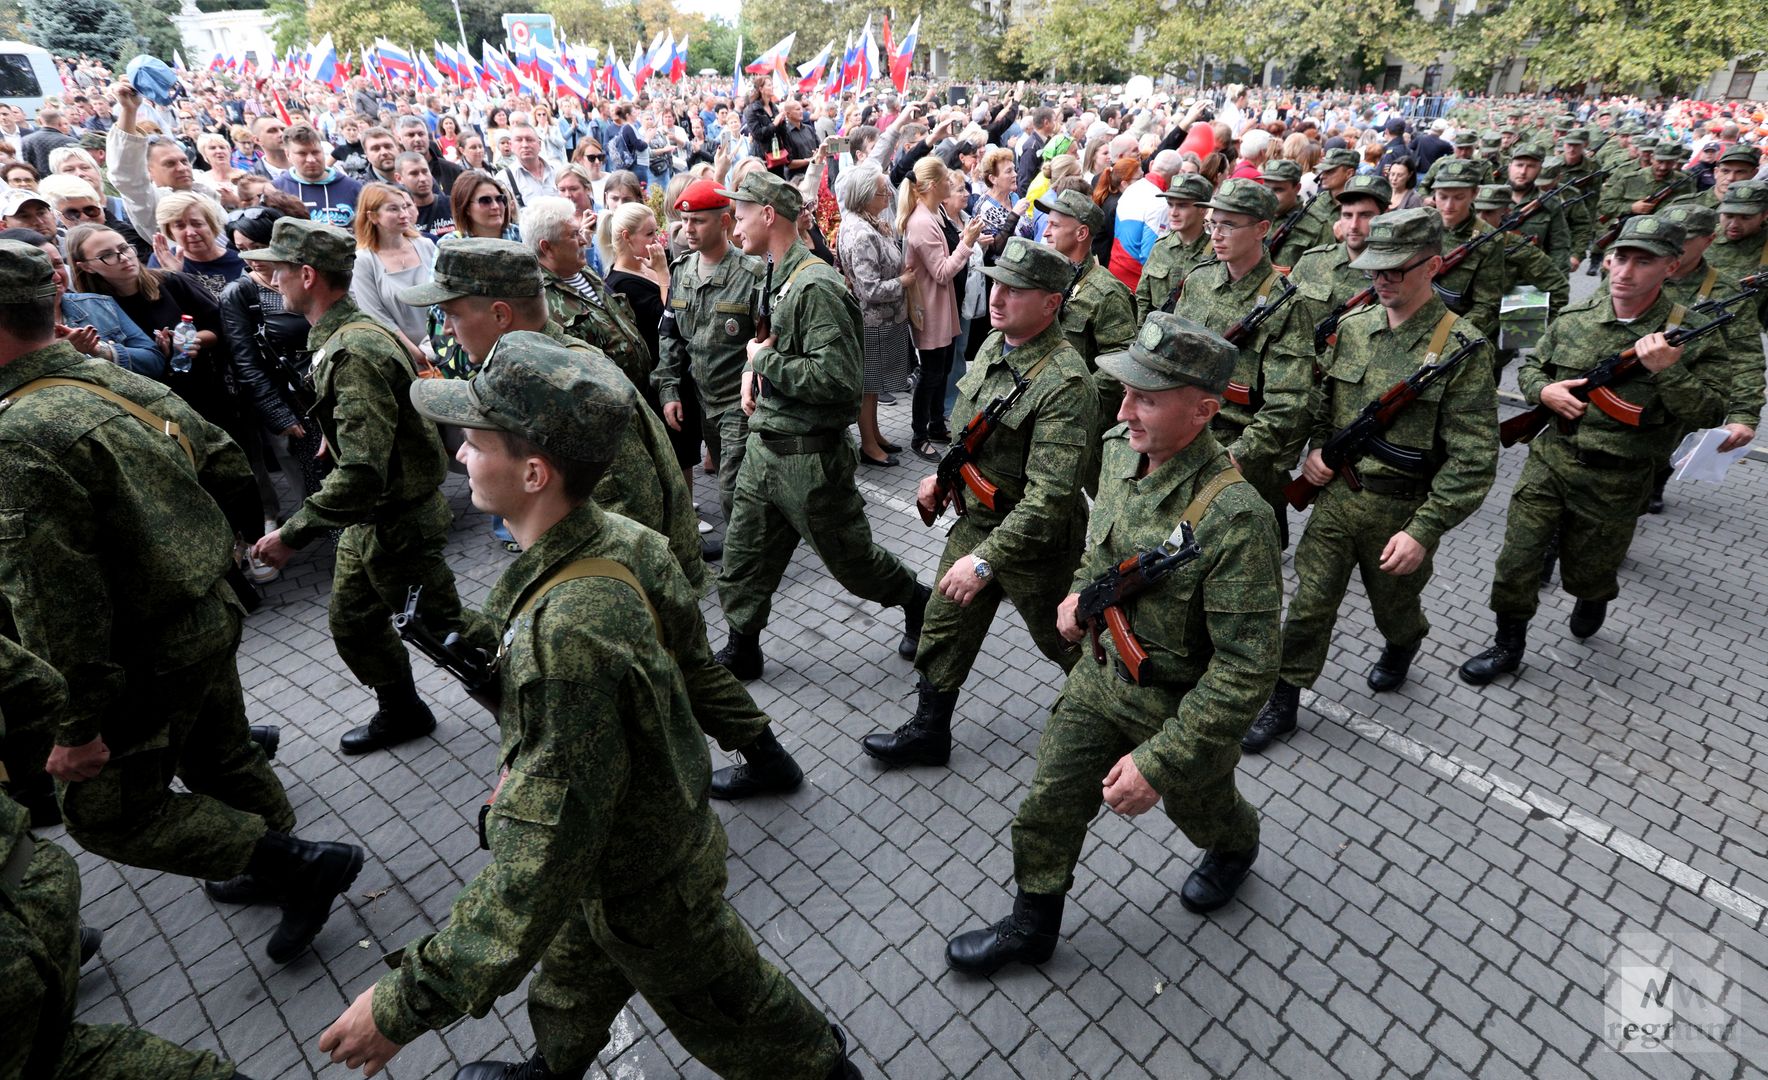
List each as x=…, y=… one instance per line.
x=1655, y=505
x=310, y=876
x=926, y=739
x=1028, y=936
x=1505, y=655
x=1389, y=672
x=401, y=717
x=1217, y=878
x=91, y=938
x=532, y=1069
x=741, y=655
x=1276, y=718
x=766, y=769
x=844, y=1069
x=268, y=736
x=913, y=613
x=1587, y=616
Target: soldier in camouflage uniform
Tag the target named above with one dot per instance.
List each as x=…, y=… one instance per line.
x=707, y=328
x=1030, y=543
x=138, y=618
x=1592, y=485
x=1389, y=529
x=1742, y=250
x=607, y=862
x=1625, y=196
x=1275, y=372
x=1100, y=314
x=1478, y=283
x=1324, y=273
x=801, y=389
x=32, y=692
x=1184, y=246
x=489, y=289
x=1210, y=629
x=1575, y=165
x=1314, y=229
x=1465, y=143
x=1739, y=163
x=385, y=491
x=1524, y=262
x=1282, y=178
x=1548, y=227
x=586, y=309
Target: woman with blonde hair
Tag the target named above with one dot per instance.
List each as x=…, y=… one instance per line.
x=872, y=263
x=391, y=255
x=638, y=262
x=933, y=303
x=190, y=241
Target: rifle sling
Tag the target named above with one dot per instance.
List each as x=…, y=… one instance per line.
x=153, y=420
x=1440, y=337
x=1023, y=381
x=369, y=324
x=1206, y=495
x=579, y=569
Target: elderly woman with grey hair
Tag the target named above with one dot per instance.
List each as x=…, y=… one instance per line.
x=872, y=262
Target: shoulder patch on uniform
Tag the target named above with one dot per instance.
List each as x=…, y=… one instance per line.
x=1120, y=431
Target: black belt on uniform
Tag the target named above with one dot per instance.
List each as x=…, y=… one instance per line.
x=1398, y=487
x=1596, y=459
x=1151, y=679
x=802, y=444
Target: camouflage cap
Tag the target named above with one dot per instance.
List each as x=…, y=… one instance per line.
x=1239, y=195
x=1366, y=187
x=1466, y=137
x=1528, y=148
x=1649, y=232
x=1745, y=197
x=1396, y=238
x=1172, y=351
x=1564, y=122
x=1578, y=136
x=1459, y=173
x=300, y=242
x=556, y=398
x=1645, y=142
x=1550, y=169
x=1696, y=220
x=1669, y=150
x=1026, y=264
x=766, y=189
x=1189, y=187
x=1490, y=140
x=1492, y=197
x=26, y=275
x=1281, y=170
x=477, y=266
x=92, y=140
x=1074, y=204
x=1742, y=154
x=1629, y=127
x=1339, y=157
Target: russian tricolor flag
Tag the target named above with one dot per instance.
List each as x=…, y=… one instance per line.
x=327, y=70
x=903, y=56
x=811, y=71
x=765, y=63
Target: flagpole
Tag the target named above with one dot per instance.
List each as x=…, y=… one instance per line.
x=460, y=24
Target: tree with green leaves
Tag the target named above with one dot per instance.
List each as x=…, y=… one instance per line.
x=353, y=23
x=72, y=27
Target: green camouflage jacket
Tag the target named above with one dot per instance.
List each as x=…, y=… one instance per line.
x=815, y=369
x=603, y=318
x=1314, y=229
x=714, y=323
x=1479, y=280
x=1165, y=270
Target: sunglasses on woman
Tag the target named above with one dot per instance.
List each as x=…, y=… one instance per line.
x=595, y=157
x=492, y=200
x=90, y=213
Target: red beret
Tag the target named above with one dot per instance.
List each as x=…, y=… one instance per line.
x=702, y=194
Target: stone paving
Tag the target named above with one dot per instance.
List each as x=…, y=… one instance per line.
x=1448, y=872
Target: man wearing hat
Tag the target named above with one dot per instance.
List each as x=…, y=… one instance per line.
x=1466, y=142
x=1024, y=549
x=801, y=389
x=1742, y=249
x=1650, y=189
x=1524, y=262
x=706, y=331
x=488, y=288
x=1390, y=527
x=1282, y=178
x=384, y=491
x=138, y=618
x=1576, y=165
x=24, y=208
x=1210, y=630
x=1548, y=227
x=1264, y=430
x=1592, y=484
x=607, y=862
x=1737, y=164
x=1184, y=245
x=1476, y=286
x=1099, y=314
x=1324, y=273
x=1315, y=226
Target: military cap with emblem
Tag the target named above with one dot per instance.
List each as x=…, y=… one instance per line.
x=1745, y=197
x=92, y=140
x=1742, y=154
x=1396, y=238
x=1283, y=170
x=1188, y=187
x=1645, y=142
x=1339, y=157
x=1528, y=148
x=1239, y=195
x=766, y=189
x=1370, y=187
x=1577, y=136
x=1026, y=264
x=26, y=275
x=1172, y=351
x=702, y=194
x=1459, y=173
x=477, y=266
x=556, y=398
x=1564, y=122
x=1551, y=167
x=1492, y=197
x=1695, y=220
x=1669, y=150
x=1074, y=204
x=1466, y=137
x=300, y=242
x=1649, y=232
x=1490, y=140
x=1629, y=127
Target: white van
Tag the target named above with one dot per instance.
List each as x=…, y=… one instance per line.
x=27, y=76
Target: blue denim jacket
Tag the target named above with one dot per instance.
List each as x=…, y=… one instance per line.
x=135, y=350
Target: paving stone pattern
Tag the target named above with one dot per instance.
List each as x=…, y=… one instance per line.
x=1445, y=869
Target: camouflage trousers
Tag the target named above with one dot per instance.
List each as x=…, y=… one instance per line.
x=1097, y=720
x=784, y=498
x=726, y=435
x=686, y=950
x=39, y=975
x=129, y=812
x=1595, y=511
x=952, y=635
x=376, y=565
x=1265, y=478
x=1346, y=531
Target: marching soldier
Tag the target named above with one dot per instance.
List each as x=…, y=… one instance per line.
x=1465, y=143
x=1282, y=178
x=1185, y=244
x=1026, y=547
x=1523, y=261
x=801, y=389
x=1389, y=528
x=1624, y=196
x=1575, y=164
x=385, y=492
x=1617, y=150
x=1326, y=271
x=1743, y=249
x=1548, y=226
x=1741, y=162
x=1477, y=285
x=1335, y=170
x=1264, y=429
x=1591, y=485
x=139, y=621
x=607, y=862
x=1210, y=630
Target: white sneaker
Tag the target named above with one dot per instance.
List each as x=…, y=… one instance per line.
x=704, y=527
x=261, y=573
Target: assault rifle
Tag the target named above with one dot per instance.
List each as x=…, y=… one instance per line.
x=475, y=670
x=764, y=322
x=1280, y=235
x=1246, y=326
x=957, y=469
x=1460, y=252
x=1102, y=600
x=1607, y=239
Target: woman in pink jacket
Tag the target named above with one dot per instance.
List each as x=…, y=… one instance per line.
x=933, y=305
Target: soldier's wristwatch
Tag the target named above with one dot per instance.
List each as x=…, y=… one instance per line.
x=983, y=570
